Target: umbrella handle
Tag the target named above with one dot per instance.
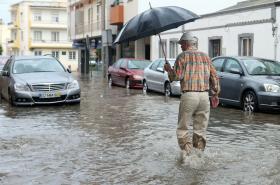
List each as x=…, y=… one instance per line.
x=163, y=49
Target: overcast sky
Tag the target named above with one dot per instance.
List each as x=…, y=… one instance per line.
x=197, y=6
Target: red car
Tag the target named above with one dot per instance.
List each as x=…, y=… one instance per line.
x=127, y=72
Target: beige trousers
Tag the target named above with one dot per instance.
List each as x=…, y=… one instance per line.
x=194, y=108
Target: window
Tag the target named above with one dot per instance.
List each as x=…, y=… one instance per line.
x=218, y=64
x=123, y=64
x=37, y=17
x=72, y=55
x=90, y=15
x=37, y=35
x=55, y=36
x=154, y=65
x=37, y=53
x=55, y=54
x=173, y=49
x=162, y=43
x=232, y=64
x=63, y=53
x=246, y=45
x=98, y=15
x=55, y=17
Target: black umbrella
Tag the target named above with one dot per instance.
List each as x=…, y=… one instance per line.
x=154, y=21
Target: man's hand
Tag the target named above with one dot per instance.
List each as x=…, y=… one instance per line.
x=167, y=67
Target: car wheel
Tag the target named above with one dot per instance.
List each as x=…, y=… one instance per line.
x=145, y=87
x=250, y=102
x=167, y=89
x=11, y=99
x=110, y=82
x=127, y=83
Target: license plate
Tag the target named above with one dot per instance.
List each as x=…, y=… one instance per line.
x=50, y=95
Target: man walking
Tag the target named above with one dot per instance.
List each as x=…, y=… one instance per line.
x=197, y=76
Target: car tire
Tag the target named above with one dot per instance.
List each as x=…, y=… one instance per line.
x=250, y=102
x=11, y=99
x=167, y=89
x=127, y=83
x=110, y=82
x=145, y=87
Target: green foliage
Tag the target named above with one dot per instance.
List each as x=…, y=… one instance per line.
x=1, y=50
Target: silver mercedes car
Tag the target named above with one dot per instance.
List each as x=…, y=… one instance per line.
x=30, y=80
x=156, y=79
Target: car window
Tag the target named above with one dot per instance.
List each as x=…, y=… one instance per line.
x=161, y=64
x=7, y=65
x=37, y=65
x=117, y=64
x=155, y=65
x=138, y=64
x=262, y=67
x=218, y=63
x=123, y=64
x=231, y=64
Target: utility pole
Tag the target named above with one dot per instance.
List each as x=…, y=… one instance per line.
x=103, y=26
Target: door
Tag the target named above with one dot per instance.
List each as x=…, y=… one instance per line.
x=151, y=75
x=5, y=80
x=231, y=83
x=114, y=71
x=159, y=77
x=122, y=72
x=214, y=48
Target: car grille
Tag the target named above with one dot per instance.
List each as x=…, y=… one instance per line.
x=46, y=100
x=48, y=87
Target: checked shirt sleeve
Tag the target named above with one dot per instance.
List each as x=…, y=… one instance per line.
x=176, y=73
x=214, y=81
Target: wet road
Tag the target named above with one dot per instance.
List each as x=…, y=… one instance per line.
x=119, y=136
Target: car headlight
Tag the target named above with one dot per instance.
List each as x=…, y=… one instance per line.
x=137, y=77
x=21, y=87
x=271, y=88
x=73, y=85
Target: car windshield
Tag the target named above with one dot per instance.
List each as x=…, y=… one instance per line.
x=262, y=67
x=138, y=64
x=37, y=65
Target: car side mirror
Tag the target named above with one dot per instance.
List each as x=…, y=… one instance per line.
x=5, y=73
x=235, y=71
x=69, y=70
x=160, y=69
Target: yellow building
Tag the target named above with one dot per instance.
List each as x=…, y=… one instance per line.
x=39, y=27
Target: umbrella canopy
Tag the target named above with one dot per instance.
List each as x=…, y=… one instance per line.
x=154, y=21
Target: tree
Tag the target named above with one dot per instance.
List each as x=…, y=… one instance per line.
x=1, y=49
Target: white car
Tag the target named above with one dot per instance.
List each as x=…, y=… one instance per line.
x=156, y=79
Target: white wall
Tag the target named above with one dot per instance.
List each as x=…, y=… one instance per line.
x=263, y=42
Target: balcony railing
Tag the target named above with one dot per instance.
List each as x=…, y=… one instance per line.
x=49, y=43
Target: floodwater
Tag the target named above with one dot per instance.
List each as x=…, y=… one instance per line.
x=120, y=136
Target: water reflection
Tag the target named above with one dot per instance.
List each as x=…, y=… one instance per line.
x=121, y=136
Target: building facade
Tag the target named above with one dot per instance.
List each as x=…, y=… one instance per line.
x=4, y=37
x=40, y=28
x=87, y=20
x=250, y=28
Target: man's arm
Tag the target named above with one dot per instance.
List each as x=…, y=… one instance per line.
x=174, y=74
x=214, y=81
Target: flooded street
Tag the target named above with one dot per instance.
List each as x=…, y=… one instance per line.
x=120, y=136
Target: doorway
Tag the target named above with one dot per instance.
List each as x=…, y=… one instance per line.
x=215, y=47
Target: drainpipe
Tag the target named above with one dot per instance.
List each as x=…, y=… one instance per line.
x=274, y=29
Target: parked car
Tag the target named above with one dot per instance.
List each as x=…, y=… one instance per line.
x=29, y=80
x=249, y=82
x=156, y=79
x=3, y=60
x=127, y=72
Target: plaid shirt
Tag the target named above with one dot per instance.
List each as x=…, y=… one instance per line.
x=195, y=71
